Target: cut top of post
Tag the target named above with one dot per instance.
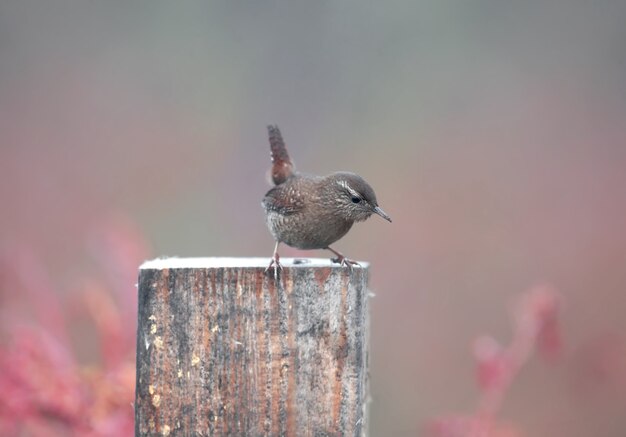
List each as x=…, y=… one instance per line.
x=222, y=262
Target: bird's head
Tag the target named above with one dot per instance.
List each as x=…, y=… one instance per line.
x=353, y=198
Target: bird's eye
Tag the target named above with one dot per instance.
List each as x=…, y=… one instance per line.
x=356, y=199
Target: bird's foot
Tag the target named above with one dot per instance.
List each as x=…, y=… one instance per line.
x=275, y=262
x=345, y=262
x=340, y=259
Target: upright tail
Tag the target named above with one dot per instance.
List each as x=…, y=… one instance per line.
x=282, y=167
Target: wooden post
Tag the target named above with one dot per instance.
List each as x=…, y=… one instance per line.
x=225, y=350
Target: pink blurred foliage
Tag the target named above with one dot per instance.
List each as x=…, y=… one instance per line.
x=46, y=390
x=535, y=331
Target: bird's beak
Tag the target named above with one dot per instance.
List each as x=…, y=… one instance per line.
x=382, y=213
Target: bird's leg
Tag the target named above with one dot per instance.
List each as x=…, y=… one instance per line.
x=342, y=259
x=275, y=262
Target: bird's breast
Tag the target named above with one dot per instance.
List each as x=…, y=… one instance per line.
x=305, y=230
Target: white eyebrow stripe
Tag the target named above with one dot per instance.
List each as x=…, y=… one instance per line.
x=345, y=185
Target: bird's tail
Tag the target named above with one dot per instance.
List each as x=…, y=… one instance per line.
x=282, y=167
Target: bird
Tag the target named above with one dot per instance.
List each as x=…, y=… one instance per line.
x=312, y=212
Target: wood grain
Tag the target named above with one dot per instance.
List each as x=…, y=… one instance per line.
x=225, y=350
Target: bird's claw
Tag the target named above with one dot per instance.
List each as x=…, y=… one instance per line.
x=275, y=262
x=345, y=262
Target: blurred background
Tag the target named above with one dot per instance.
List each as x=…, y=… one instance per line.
x=494, y=134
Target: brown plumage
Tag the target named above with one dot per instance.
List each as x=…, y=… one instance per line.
x=312, y=212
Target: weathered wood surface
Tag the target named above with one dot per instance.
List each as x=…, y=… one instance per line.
x=225, y=350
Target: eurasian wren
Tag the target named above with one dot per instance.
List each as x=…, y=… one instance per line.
x=312, y=212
